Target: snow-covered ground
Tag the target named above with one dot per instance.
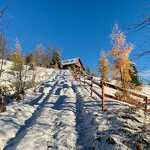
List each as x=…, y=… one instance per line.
x=53, y=123
x=63, y=116
x=120, y=127
x=8, y=77
x=144, y=90
x=17, y=114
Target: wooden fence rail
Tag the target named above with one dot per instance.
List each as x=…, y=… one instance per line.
x=89, y=80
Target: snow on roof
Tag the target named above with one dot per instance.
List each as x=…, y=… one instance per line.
x=69, y=61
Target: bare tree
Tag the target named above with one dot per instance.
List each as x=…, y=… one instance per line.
x=140, y=26
x=39, y=54
x=3, y=12
x=2, y=51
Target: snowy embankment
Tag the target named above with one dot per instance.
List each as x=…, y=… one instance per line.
x=8, y=77
x=64, y=117
x=144, y=90
x=118, y=128
x=16, y=114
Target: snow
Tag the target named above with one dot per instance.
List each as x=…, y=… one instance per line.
x=55, y=118
x=67, y=92
x=144, y=90
x=12, y=119
x=62, y=115
x=42, y=74
x=120, y=127
x=16, y=115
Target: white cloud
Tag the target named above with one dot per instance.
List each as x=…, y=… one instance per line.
x=145, y=74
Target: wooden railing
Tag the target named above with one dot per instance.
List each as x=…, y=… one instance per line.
x=93, y=84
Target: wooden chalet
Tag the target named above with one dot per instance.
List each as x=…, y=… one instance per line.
x=74, y=64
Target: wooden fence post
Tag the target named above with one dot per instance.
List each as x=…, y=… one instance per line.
x=91, y=86
x=102, y=83
x=80, y=77
x=77, y=76
x=146, y=100
x=84, y=79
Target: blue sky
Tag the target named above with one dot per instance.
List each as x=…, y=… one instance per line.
x=80, y=28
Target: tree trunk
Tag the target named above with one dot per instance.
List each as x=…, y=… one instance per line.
x=24, y=83
x=124, y=94
x=91, y=88
x=33, y=79
x=1, y=69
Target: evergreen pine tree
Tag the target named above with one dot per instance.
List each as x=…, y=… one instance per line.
x=56, y=59
x=30, y=60
x=134, y=75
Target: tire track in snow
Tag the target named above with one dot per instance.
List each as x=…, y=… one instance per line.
x=63, y=135
x=86, y=126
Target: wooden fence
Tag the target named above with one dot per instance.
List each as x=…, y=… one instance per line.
x=142, y=101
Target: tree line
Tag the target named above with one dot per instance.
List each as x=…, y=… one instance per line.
x=21, y=65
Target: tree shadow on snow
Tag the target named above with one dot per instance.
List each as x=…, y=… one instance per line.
x=119, y=126
x=12, y=143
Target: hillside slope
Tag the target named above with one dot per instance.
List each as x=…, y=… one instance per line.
x=62, y=115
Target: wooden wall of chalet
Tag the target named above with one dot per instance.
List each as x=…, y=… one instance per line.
x=76, y=65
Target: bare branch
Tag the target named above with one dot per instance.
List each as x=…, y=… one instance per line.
x=2, y=11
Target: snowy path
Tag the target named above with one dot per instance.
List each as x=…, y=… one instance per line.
x=67, y=118
x=52, y=123
x=61, y=122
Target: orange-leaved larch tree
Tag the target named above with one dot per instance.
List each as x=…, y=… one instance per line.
x=18, y=68
x=104, y=67
x=104, y=71
x=122, y=66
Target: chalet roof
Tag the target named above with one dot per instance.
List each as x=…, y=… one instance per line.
x=70, y=61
